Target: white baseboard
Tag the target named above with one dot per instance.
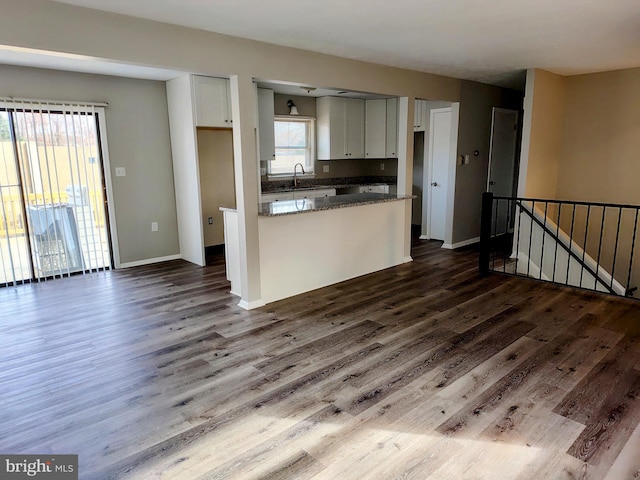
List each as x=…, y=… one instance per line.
x=424, y=237
x=407, y=259
x=251, y=305
x=149, y=261
x=464, y=243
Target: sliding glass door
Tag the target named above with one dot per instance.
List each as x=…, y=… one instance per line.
x=53, y=220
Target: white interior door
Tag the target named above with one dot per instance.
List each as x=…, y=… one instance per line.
x=439, y=154
x=502, y=162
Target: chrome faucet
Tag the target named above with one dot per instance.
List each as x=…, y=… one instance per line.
x=295, y=178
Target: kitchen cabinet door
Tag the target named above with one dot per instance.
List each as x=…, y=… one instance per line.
x=265, y=124
x=331, y=128
x=373, y=189
x=375, y=128
x=322, y=192
x=276, y=197
x=419, y=116
x=354, y=113
x=211, y=98
x=340, y=128
x=392, y=129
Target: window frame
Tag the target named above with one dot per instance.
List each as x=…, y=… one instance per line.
x=309, y=166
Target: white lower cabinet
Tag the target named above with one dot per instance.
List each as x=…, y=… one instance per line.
x=325, y=192
x=373, y=189
x=276, y=197
x=296, y=195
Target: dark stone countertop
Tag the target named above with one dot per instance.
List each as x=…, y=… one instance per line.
x=305, y=205
x=278, y=186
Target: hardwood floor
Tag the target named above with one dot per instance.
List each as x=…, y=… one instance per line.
x=421, y=371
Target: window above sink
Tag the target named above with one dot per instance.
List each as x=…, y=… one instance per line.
x=294, y=143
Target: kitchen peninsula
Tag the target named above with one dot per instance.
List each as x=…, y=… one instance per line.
x=307, y=244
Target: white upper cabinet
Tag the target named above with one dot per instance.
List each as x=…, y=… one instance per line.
x=265, y=124
x=375, y=128
x=354, y=109
x=340, y=128
x=212, y=102
x=420, y=116
x=392, y=129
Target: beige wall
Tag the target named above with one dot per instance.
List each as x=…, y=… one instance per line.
x=57, y=27
x=138, y=139
x=215, y=156
x=600, y=161
x=83, y=31
x=542, y=134
x=600, y=147
x=584, y=138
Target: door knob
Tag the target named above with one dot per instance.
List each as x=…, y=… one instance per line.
x=434, y=184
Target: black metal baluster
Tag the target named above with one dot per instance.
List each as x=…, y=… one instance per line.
x=604, y=213
x=584, y=247
x=519, y=205
x=485, y=233
x=615, y=248
x=544, y=235
x=533, y=206
x=573, y=219
x=633, y=246
x=555, y=255
x=506, y=253
x=495, y=233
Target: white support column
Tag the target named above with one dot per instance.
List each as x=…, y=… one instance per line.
x=244, y=107
x=406, y=107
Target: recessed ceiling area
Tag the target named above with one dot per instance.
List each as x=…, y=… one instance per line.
x=491, y=41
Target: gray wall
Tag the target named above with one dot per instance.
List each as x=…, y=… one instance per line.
x=474, y=133
x=138, y=139
x=418, y=173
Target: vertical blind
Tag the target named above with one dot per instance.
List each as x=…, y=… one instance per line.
x=52, y=204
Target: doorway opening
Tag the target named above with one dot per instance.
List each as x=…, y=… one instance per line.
x=53, y=209
x=503, y=165
x=434, y=169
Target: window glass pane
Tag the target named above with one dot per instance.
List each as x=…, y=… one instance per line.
x=294, y=144
x=290, y=134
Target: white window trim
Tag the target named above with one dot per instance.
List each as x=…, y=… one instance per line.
x=312, y=141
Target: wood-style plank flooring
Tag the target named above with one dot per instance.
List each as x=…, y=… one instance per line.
x=421, y=371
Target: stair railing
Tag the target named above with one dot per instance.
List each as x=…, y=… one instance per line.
x=586, y=245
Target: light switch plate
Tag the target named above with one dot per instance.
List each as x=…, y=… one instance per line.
x=325, y=168
x=121, y=172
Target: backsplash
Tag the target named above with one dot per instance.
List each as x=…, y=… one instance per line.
x=277, y=185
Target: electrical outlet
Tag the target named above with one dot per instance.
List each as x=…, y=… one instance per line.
x=325, y=168
x=121, y=172
x=466, y=159
x=382, y=166
x=154, y=226
x=210, y=220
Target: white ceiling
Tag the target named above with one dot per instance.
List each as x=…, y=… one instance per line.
x=490, y=41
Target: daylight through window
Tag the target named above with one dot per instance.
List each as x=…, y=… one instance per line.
x=294, y=141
